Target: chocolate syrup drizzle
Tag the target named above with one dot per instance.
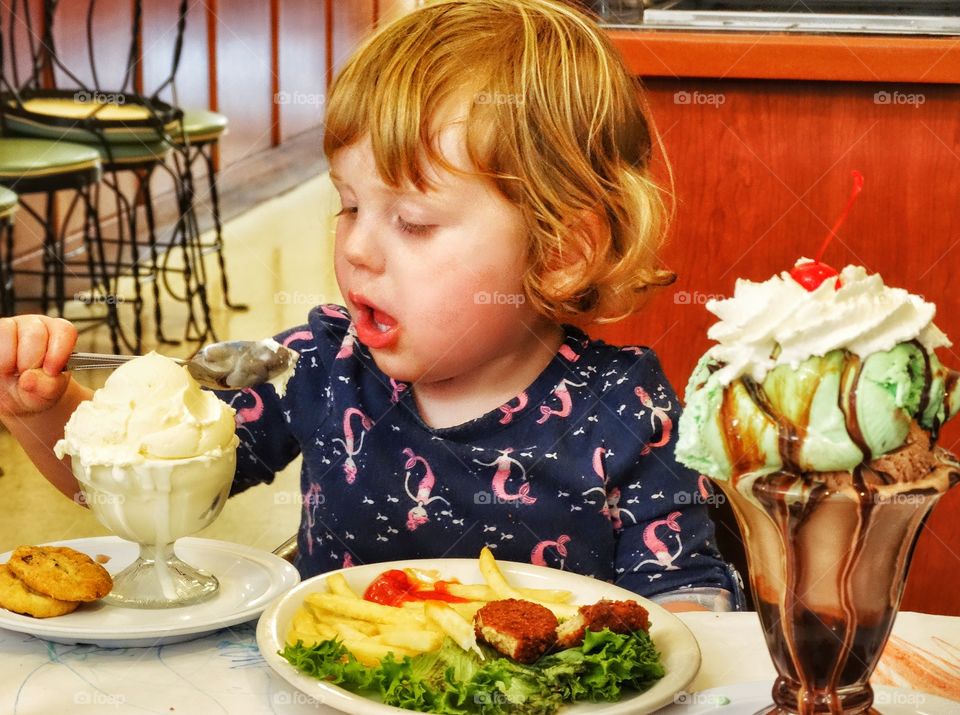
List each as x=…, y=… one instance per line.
x=747, y=456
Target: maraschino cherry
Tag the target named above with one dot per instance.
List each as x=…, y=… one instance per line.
x=812, y=273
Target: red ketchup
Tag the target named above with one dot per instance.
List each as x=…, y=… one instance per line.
x=395, y=587
x=812, y=273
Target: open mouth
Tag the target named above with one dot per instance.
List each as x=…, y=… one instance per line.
x=375, y=327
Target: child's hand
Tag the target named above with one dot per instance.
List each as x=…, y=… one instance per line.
x=33, y=353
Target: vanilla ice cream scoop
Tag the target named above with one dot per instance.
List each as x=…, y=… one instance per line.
x=155, y=457
x=149, y=409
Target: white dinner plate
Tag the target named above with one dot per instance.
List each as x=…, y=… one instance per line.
x=750, y=698
x=249, y=580
x=679, y=650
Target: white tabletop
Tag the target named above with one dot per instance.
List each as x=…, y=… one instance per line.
x=223, y=672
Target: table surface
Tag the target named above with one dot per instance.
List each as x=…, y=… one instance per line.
x=223, y=672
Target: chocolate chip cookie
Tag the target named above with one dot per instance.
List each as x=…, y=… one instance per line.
x=60, y=572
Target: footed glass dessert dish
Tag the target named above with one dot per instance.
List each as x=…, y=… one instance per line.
x=153, y=504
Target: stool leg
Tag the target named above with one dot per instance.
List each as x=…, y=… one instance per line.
x=194, y=270
x=126, y=229
x=49, y=239
x=147, y=198
x=206, y=151
x=97, y=265
x=9, y=294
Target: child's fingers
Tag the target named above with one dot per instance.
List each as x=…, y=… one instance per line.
x=39, y=388
x=31, y=342
x=60, y=343
x=8, y=346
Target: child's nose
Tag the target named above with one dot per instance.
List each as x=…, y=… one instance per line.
x=361, y=248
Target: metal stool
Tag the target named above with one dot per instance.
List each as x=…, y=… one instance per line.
x=45, y=168
x=198, y=136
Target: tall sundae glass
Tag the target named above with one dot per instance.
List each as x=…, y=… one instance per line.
x=817, y=414
x=155, y=456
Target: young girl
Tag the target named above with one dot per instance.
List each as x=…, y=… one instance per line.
x=491, y=160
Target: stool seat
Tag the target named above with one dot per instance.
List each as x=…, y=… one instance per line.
x=40, y=158
x=202, y=125
x=8, y=202
x=129, y=155
x=73, y=116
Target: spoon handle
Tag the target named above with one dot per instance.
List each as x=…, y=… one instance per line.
x=101, y=361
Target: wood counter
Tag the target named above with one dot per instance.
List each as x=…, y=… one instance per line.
x=786, y=56
x=762, y=136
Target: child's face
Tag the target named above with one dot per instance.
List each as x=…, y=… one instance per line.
x=432, y=280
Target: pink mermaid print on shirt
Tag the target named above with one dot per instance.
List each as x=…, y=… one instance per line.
x=249, y=414
x=662, y=555
x=611, y=497
x=566, y=402
x=350, y=339
x=659, y=419
x=504, y=464
x=418, y=514
x=537, y=557
x=351, y=444
x=509, y=410
x=567, y=352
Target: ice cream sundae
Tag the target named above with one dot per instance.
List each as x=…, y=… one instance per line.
x=817, y=413
x=155, y=456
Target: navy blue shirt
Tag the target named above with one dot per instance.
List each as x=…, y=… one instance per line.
x=577, y=472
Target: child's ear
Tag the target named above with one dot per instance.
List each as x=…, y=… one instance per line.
x=587, y=234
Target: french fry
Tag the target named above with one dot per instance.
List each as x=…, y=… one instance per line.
x=303, y=627
x=338, y=585
x=412, y=639
x=344, y=606
x=546, y=595
x=370, y=652
x=498, y=583
x=482, y=592
x=364, y=627
x=303, y=621
x=308, y=639
x=454, y=625
x=469, y=609
x=346, y=632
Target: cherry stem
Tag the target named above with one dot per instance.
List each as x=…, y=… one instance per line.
x=857, y=187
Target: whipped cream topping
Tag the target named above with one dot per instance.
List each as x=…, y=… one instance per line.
x=779, y=322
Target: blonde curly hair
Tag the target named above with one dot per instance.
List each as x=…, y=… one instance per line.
x=553, y=118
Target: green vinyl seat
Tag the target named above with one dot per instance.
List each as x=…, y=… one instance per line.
x=201, y=126
x=34, y=165
x=8, y=203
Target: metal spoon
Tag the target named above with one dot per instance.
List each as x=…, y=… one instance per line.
x=220, y=366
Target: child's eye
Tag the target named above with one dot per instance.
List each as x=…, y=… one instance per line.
x=416, y=229
x=347, y=210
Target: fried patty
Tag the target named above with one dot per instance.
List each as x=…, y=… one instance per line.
x=519, y=629
x=619, y=616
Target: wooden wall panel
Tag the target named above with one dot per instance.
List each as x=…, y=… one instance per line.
x=762, y=170
x=112, y=32
x=19, y=54
x=192, y=86
x=351, y=23
x=303, y=63
x=244, y=75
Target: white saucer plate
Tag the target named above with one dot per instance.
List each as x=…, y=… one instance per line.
x=677, y=645
x=249, y=580
x=750, y=698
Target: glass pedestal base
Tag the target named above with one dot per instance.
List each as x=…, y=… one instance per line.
x=158, y=579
